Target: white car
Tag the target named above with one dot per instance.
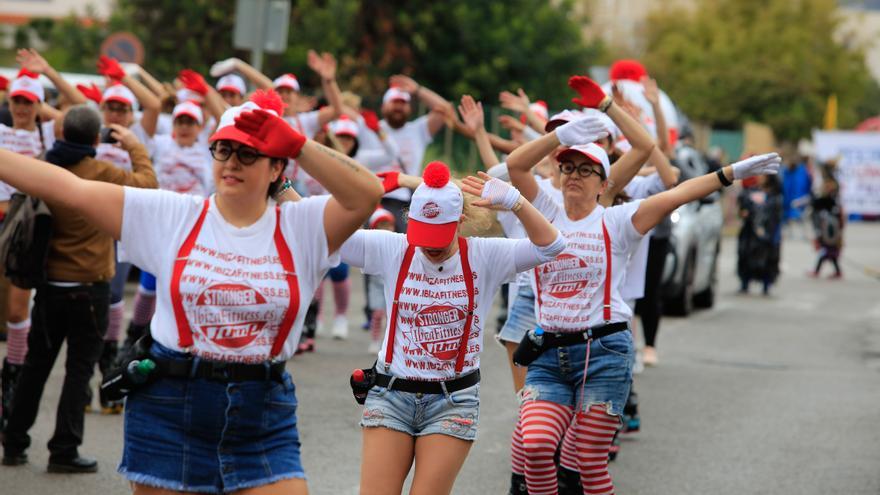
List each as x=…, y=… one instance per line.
x=690, y=272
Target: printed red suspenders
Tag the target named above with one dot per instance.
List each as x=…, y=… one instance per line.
x=469, y=285
x=184, y=331
x=606, y=303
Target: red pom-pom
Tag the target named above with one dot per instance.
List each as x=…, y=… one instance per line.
x=627, y=69
x=358, y=375
x=268, y=99
x=436, y=174
x=26, y=73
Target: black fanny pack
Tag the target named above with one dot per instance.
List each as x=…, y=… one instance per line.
x=528, y=349
x=363, y=380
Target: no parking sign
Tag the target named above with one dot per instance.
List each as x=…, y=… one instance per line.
x=124, y=47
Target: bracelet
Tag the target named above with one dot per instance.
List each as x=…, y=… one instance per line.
x=723, y=178
x=605, y=104
x=518, y=205
x=285, y=186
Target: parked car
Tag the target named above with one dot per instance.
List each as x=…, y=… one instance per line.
x=690, y=272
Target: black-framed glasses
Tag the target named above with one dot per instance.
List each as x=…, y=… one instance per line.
x=584, y=170
x=245, y=155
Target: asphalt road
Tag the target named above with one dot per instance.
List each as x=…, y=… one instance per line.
x=758, y=395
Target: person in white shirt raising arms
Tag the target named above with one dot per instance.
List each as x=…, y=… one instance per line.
x=217, y=415
x=583, y=361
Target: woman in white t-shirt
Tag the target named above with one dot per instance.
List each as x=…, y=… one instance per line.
x=585, y=360
x=28, y=136
x=439, y=288
x=218, y=414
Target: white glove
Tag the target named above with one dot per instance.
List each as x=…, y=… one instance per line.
x=767, y=164
x=223, y=67
x=130, y=69
x=582, y=131
x=500, y=193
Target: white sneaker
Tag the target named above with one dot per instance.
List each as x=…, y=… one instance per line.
x=374, y=348
x=340, y=327
x=639, y=365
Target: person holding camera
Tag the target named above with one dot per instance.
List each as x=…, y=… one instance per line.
x=73, y=305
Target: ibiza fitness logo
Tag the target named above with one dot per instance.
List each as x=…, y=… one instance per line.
x=437, y=330
x=232, y=314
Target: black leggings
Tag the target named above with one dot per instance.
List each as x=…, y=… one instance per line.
x=831, y=258
x=650, y=307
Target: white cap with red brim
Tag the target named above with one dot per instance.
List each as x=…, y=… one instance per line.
x=232, y=83
x=286, y=81
x=592, y=151
x=560, y=118
x=189, y=109
x=435, y=209
x=396, y=94
x=379, y=216
x=189, y=95
x=343, y=126
x=120, y=94
x=27, y=87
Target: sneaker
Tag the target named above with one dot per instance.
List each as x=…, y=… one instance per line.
x=14, y=458
x=631, y=420
x=306, y=344
x=374, y=348
x=649, y=356
x=639, y=365
x=72, y=466
x=340, y=327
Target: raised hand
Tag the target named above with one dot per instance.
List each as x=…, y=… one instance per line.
x=652, y=93
x=390, y=180
x=517, y=102
x=405, y=83
x=91, y=92
x=766, y=164
x=30, y=59
x=109, y=67
x=582, y=131
x=471, y=113
x=193, y=81
x=273, y=136
x=591, y=95
x=511, y=123
x=224, y=67
x=495, y=194
x=324, y=64
x=371, y=120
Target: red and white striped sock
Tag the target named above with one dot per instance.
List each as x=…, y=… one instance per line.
x=594, y=431
x=543, y=424
x=144, y=307
x=568, y=454
x=17, y=341
x=377, y=325
x=517, y=454
x=114, y=324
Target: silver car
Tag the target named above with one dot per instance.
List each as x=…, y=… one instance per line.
x=689, y=275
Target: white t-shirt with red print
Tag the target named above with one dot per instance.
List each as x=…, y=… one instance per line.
x=569, y=291
x=433, y=301
x=412, y=140
x=25, y=143
x=233, y=288
x=186, y=170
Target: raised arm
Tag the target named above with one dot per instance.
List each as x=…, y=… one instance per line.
x=31, y=60
x=325, y=66
x=150, y=104
x=99, y=202
x=150, y=82
x=194, y=81
x=429, y=98
x=653, y=209
x=472, y=115
x=257, y=78
x=520, y=102
x=355, y=190
x=652, y=94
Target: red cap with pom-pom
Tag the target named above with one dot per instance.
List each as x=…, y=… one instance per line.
x=435, y=209
x=263, y=100
x=627, y=69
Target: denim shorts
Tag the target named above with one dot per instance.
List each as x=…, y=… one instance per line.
x=202, y=436
x=456, y=414
x=521, y=317
x=556, y=376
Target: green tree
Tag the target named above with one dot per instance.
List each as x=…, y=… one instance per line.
x=773, y=61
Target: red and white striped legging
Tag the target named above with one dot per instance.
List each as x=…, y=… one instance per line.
x=587, y=442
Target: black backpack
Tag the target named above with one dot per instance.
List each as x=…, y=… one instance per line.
x=24, y=241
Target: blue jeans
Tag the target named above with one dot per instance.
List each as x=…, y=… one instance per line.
x=204, y=436
x=456, y=414
x=556, y=376
x=521, y=317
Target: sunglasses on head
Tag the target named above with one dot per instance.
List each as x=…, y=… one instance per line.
x=584, y=170
x=245, y=155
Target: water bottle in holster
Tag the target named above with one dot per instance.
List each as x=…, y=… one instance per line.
x=361, y=381
x=529, y=348
x=135, y=369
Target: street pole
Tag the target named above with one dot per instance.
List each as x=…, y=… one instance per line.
x=257, y=50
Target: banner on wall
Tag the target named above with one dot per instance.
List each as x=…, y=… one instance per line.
x=858, y=167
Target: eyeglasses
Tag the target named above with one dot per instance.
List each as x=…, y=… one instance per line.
x=117, y=108
x=584, y=170
x=245, y=155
